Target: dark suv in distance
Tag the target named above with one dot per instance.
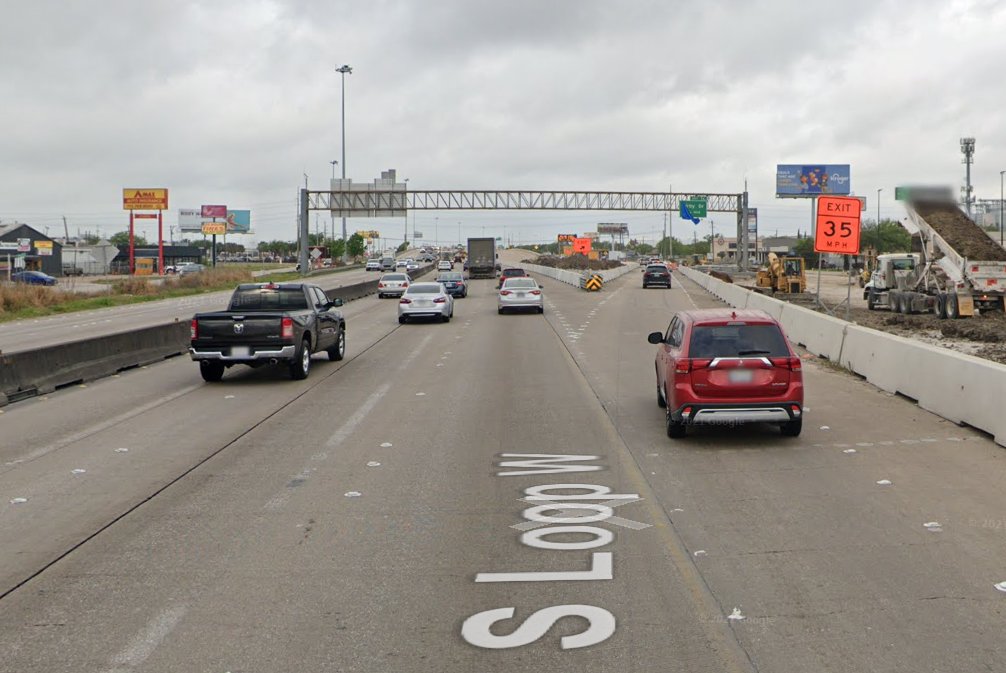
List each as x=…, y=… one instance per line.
x=727, y=367
x=656, y=274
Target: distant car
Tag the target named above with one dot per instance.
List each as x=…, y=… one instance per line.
x=727, y=367
x=520, y=293
x=388, y=264
x=33, y=278
x=72, y=270
x=428, y=300
x=445, y=266
x=393, y=285
x=412, y=266
x=657, y=274
x=512, y=272
x=187, y=269
x=454, y=283
x=373, y=265
x=401, y=264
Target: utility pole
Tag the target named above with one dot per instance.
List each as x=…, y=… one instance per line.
x=346, y=70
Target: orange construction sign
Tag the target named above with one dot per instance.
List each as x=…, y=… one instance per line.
x=838, y=220
x=581, y=246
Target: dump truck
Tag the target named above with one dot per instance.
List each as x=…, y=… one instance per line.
x=887, y=271
x=961, y=270
x=481, y=261
x=786, y=275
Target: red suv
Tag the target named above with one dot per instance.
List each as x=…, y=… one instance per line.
x=512, y=272
x=727, y=367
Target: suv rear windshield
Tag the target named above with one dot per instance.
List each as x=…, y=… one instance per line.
x=656, y=268
x=719, y=341
x=514, y=272
x=277, y=299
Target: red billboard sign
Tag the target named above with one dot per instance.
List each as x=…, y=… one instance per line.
x=214, y=211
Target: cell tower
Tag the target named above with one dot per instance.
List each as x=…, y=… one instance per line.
x=968, y=150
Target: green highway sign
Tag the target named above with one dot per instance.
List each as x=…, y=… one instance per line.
x=901, y=193
x=697, y=207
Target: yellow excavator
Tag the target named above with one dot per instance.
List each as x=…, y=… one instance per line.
x=786, y=274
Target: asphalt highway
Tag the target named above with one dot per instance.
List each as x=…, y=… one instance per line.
x=390, y=513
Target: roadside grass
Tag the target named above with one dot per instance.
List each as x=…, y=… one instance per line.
x=19, y=302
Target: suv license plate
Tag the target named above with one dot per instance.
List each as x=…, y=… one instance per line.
x=240, y=351
x=741, y=376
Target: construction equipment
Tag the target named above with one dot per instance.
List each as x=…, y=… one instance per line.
x=888, y=272
x=960, y=270
x=786, y=275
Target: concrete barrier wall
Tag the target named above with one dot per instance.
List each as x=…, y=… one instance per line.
x=573, y=277
x=369, y=287
x=958, y=387
x=43, y=370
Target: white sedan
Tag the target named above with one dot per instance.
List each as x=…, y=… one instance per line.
x=412, y=266
x=520, y=292
x=426, y=300
x=445, y=266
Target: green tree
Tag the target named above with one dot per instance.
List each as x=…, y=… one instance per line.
x=357, y=246
x=403, y=247
x=893, y=236
x=805, y=248
x=337, y=247
x=644, y=249
x=121, y=240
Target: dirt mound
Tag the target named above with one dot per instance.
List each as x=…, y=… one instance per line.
x=721, y=276
x=973, y=329
x=963, y=235
x=574, y=263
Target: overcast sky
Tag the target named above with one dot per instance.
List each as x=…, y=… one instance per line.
x=233, y=102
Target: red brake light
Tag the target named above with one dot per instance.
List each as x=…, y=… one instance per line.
x=687, y=365
x=405, y=284
x=440, y=300
x=287, y=332
x=194, y=330
x=380, y=285
x=535, y=291
x=792, y=364
x=505, y=292
x=403, y=300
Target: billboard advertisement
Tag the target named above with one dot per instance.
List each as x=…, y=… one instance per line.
x=612, y=228
x=190, y=220
x=145, y=199
x=812, y=179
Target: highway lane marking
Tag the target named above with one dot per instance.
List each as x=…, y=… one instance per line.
x=146, y=641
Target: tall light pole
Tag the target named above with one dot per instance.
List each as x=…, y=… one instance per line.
x=436, y=232
x=968, y=150
x=879, y=238
x=344, y=70
x=1001, y=207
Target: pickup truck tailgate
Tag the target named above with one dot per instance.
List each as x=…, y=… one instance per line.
x=254, y=329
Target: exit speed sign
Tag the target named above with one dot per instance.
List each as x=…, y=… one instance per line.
x=837, y=225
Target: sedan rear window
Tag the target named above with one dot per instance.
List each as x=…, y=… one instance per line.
x=719, y=341
x=450, y=276
x=426, y=288
x=520, y=282
x=395, y=276
x=514, y=272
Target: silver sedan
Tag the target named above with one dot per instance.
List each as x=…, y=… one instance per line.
x=522, y=292
x=426, y=300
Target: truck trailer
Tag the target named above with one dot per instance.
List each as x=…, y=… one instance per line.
x=481, y=258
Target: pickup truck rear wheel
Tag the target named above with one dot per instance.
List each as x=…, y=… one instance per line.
x=211, y=371
x=300, y=367
x=338, y=351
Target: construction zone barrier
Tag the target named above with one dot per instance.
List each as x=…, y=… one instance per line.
x=591, y=283
x=575, y=277
x=960, y=388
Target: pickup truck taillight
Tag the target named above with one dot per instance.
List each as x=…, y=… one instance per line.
x=194, y=329
x=287, y=332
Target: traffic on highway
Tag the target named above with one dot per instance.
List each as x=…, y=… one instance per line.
x=635, y=480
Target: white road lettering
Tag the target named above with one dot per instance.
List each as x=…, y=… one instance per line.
x=544, y=462
x=599, y=493
x=536, y=513
x=600, y=569
x=476, y=628
x=535, y=538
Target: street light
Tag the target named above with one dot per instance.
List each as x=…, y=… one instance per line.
x=344, y=70
x=1001, y=207
x=879, y=238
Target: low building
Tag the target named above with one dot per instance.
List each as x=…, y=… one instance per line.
x=41, y=253
x=174, y=255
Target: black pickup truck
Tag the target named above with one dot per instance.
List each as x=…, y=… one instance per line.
x=267, y=323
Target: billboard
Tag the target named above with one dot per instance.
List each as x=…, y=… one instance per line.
x=214, y=211
x=190, y=220
x=812, y=179
x=215, y=228
x=145, y=199
x=612, y=228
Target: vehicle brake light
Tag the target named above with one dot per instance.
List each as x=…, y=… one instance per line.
x=796, y=409
x=287, y=332
x=380, y=285
x=687, y=365
x=194, y=330
x=405, y=284
x=270, y=286
x=440, y=300
x=403, y=300
x=505, y=292
x=535, y=291
x=792, y=364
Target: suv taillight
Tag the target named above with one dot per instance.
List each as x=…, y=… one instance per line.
x=686, y=365
x=792, y=363
x=287, y=331
x=194, y=329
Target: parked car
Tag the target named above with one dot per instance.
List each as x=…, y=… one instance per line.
x=444, y=265
x=72, y=270
x=393, y=285
x=657, y=274
x=426, y=300
x=269, y=323
x=187, y=269
x=373, y=265
x=33, y=278
x=727, y=367
x=520, y=293
x=454, y=283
